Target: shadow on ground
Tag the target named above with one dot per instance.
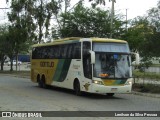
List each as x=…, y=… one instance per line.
x=84, y=94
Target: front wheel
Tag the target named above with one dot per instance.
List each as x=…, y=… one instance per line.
x=77, y=88
x=110, y=94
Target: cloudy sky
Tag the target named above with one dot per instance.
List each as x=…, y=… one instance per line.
x=134, y=7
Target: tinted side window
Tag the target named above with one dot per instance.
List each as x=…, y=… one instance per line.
x=36, y=53
x=64, y=50
x=67, y=51
x=77, y=51
x=70, y=50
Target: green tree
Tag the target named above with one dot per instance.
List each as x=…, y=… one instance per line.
x=140, y=37
x=36, y=15
x=94, y=3
x=64, y=8
x=154, y=40
x=21, y=28
x=137, y=33
x=144, y=34
x=3, y=43
x=154, y=16
x=88, y=22
x=43, y=12
x=28, y=19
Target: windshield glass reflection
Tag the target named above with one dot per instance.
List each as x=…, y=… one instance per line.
x=112, y=65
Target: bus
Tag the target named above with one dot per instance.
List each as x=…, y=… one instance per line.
x=93, y=65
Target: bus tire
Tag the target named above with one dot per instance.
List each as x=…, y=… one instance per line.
x=77, y=89
x=43, y=80
x=39, y=81
x=110, y=94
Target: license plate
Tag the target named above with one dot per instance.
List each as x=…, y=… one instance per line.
x=114, y=89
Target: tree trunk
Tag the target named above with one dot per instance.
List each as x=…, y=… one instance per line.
x=11, y=60
x=16, y=61
x=2, y=63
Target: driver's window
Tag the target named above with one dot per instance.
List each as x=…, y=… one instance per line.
x=87, y=67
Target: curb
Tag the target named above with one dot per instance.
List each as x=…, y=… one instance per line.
x=28, y=77
x=146, y=94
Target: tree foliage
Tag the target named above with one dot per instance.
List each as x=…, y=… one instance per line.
x=94, y=3
x=34, y=16
x=154, y=16
x=89, y=22
x=143, y=38
x=43, y=12
x=138, y=33
x=154, y=40
x=3, y=43
x=143, y=34
x=20, y=29
x=30, y=22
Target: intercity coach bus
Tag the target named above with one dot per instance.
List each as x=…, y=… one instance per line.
x=93, y=65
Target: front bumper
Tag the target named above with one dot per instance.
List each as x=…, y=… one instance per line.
x=102, y=89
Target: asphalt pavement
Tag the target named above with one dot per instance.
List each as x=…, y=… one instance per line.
x=20, y=94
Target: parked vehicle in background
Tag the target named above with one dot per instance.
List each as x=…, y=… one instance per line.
x=14, y=62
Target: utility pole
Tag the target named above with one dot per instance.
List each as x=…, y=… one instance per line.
x=112, y=16
x=126, y=21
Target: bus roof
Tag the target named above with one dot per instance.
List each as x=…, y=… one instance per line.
x=107, y=40
x=77, y=39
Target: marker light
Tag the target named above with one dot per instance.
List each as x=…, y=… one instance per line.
x=103, y=75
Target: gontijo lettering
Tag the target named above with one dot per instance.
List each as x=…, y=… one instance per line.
x=47, y=64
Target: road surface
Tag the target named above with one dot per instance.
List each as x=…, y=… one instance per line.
x=20, y=94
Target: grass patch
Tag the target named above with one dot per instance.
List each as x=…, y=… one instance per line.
x=147, y=88
x=17, y=73
x=155, y=65
x=146, y=75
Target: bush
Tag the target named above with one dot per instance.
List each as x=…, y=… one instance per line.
x=140, y=74
x=149, y=88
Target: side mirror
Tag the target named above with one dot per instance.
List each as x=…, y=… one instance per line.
x=137, y=61
x=93, y=57
x=137, y=58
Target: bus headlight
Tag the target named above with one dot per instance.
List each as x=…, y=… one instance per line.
x=128, y=82
x=98, y=82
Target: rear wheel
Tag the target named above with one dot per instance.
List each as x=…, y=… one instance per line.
x=43, y=82
x=110, y=94
x=77, y=88
x=39, y=81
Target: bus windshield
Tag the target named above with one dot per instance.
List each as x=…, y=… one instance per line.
x=113, y=62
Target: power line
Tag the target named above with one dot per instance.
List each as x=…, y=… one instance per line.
x=4, y=8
